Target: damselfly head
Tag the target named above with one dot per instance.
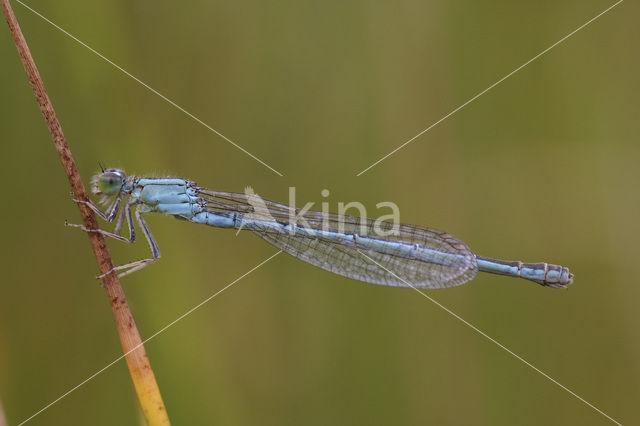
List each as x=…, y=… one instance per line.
x=109, y=182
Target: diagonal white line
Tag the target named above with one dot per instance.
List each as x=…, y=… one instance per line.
x=91, y=377
x=500, y=345
x=492, y=86
x=146, y=86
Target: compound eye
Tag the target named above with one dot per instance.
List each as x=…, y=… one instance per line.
x=110, y=183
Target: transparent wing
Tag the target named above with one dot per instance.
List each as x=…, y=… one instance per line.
x=351, y=246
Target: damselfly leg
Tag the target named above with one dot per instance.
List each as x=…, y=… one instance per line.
x=109, y=215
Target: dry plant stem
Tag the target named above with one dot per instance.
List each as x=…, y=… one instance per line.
x=139, y=366
x=3, y=419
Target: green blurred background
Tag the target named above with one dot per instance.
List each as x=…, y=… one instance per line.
x=543, y=167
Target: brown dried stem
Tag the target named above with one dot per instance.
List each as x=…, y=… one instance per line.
x=3, y=418
x=137, y=360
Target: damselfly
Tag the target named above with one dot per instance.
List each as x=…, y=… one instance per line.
x=372, y=251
